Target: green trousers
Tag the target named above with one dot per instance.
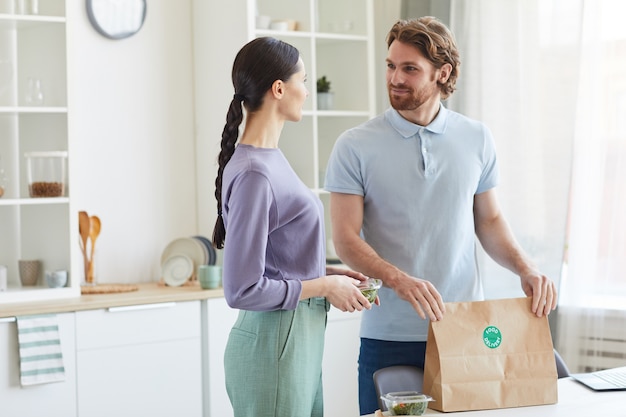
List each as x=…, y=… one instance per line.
x=273, y=361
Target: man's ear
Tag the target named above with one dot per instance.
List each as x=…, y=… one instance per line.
x=444, y=73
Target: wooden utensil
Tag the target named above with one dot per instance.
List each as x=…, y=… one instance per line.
x=83, y=230
x=94, y=232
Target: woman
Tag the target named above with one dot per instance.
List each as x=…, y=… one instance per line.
x=272, y=229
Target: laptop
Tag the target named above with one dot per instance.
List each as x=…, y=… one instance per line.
x=607, y=380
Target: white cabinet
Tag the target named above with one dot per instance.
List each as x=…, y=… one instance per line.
x=335, y=39
x=339, y=368
x=139, y=361
x=33, y=117
x=58, y=399
x=217, y=320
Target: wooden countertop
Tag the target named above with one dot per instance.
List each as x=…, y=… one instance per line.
x=148, y=293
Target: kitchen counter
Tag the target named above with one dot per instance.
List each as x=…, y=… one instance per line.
x=148, y=293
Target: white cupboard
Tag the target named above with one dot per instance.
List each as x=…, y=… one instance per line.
x=217, y=320
x=339, y=367
x=335, y=39
x=142, y=360
x=33, y=118
x=58, y=399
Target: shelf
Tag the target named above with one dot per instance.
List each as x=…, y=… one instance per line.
x=32, y=110
x=283, y=33
x=33, y=201
x=320, y=36
x=23, y=21
x=341, y=37
x=22, y=294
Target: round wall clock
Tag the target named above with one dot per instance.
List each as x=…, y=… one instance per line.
x=116, y=19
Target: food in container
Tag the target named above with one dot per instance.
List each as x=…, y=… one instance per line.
x=369, y=288
x=46, y=173
x=406, y=403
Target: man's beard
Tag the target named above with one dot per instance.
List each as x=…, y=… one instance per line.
x=412, y=100
x=408, y=102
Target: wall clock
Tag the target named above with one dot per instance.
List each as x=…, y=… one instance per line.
x=116, y=19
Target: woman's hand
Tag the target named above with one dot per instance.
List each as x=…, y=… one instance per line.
x=343, y=293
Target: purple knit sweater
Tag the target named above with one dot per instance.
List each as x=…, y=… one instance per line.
x=274, y=231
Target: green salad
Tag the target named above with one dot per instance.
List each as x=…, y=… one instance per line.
x=370, y=294
x=410, y=408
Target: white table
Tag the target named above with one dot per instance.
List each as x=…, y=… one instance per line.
x=575, y=400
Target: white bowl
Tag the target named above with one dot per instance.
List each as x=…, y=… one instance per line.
x=279, y=25
x=56, y=279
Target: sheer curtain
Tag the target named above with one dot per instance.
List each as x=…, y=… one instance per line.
x=592, y=317
x=513, y=79
x=549, y=78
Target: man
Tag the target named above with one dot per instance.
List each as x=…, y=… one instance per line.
x=410, y=191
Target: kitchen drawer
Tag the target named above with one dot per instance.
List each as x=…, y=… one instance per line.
x=149, y=323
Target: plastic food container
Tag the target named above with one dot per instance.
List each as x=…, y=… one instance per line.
x=46, y=173
x=369, y=288
x=406, y=403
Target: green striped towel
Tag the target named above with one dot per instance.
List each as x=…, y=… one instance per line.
x=41, y=359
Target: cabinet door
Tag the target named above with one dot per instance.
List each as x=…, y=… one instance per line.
x=339, y=368
x=58, y=399
x=140, y=362
x=218, y=318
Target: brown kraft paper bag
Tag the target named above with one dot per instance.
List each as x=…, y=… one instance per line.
x=489, y=354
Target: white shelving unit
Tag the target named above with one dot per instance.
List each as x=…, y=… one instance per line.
x=33, y=46
x=336, y=40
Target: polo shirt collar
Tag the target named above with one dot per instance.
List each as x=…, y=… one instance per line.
x=408, y=129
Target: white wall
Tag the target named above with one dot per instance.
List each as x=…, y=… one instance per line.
x=131, y=127
x=219, y=31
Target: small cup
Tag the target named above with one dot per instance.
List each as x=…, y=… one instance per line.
x=279, y=25
x=210, y=276
x=56, y=279
x=29, y=271
x=3, y=278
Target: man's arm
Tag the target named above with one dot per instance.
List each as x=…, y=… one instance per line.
x=346, y=213
x=497, y=239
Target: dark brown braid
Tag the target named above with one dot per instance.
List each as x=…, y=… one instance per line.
x=257, y=65
x=229, y=138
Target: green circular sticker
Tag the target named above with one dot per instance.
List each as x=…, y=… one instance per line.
x=492, y=337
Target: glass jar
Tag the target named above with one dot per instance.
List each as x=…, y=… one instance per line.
x=46, y=173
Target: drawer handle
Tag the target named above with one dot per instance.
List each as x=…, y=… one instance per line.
x=140, y=307
x=7, y=320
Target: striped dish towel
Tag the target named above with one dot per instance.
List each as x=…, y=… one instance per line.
x=41, y=359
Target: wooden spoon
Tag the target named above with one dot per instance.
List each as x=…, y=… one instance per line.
x=94, y=232
x=83, y=230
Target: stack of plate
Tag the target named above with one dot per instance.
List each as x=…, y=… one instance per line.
x=181, y=257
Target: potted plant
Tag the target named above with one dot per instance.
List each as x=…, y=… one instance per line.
x=324, y=95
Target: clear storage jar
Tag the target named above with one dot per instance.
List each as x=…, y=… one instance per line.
x=46, y=173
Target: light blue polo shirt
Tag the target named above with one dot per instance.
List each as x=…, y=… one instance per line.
x=418, y=185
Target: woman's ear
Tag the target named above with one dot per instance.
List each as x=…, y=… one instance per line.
x=278, y=89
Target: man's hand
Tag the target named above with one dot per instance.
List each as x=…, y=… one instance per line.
x=422, y=295
x=542, y=290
